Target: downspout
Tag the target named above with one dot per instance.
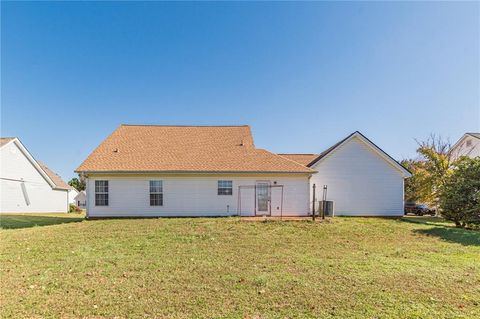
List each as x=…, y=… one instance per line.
x=87, y=197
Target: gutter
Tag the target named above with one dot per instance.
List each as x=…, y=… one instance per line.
x=311, y=171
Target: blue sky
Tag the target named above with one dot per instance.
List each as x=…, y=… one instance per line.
x=303, y=75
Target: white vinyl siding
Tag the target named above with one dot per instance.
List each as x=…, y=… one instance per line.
x=36, y=195
x=359, y=181
x=463, y=149
x=195, y=195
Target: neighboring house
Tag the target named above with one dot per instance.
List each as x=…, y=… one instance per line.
x=72, y=194
x=467, y=145
x=360, y=177
x=26, y=185
x=81, y=199
x=150, y=170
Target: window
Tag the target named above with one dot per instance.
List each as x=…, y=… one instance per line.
x=469, y=143
x=224, y=187
x=101, y=193
x=156, y=193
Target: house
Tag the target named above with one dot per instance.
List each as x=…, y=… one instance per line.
x=81, y=199
x=72, y=194
x=360, y=178
x=27, y=185
x=149, y=170
x=467, y=145
x=154, y=170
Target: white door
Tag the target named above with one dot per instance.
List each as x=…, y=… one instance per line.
x=262, y=190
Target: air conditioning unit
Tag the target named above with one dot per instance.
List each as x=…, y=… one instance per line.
x=328, y=206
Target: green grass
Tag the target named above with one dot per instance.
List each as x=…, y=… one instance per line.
x=223, y=267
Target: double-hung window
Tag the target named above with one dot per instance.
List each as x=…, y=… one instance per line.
x=224, y=187
x=156, y=193
x=101, y=193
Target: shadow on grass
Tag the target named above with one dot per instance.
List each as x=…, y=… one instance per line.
x=16, y=221
x=427, y=220
x=445, y=230
x=454, y=235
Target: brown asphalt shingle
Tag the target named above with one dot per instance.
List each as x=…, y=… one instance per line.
x=57, y=180
x=156, y=148
x=303, y=159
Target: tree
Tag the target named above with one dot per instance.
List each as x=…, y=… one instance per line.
x=415, y=189
x=430, y=170
x=78, y=184
x=460, y=194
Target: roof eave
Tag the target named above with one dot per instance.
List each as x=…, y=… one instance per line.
x=310, y=171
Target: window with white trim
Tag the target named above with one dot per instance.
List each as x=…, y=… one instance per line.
x=101, y=193
x=225, y=187
x=156, y=193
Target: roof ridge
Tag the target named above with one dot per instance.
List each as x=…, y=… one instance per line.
x=169, y=125
x=277, y=155
x=476, y=135
x=297, y=154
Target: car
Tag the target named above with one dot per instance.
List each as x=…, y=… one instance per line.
x=418, y=209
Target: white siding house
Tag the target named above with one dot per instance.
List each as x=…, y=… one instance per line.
x=467, y=145
x=27, y=186
x=361, y=179
x=197, y=195
x=81, y=199
x=149, y=170
x=72, y=194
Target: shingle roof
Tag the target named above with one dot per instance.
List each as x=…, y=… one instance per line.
x=57, y=180
x=156, y=148
x=477, y=135
x=5, y=140
x=303, y=159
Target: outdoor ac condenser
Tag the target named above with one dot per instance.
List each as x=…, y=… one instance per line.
x=329, y=207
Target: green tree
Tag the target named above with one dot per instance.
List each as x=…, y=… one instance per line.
x=460, y=194
x=430, y=170
x=78, y=184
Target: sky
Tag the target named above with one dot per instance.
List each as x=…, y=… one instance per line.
x=302, y=75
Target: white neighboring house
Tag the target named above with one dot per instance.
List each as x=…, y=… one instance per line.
x=151, y=170
x=361, y=179
x=72, y=194
x=81, y=199
x=467, y=145
x=27, y=185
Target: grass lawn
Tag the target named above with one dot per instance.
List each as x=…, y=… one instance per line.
x=64, y=266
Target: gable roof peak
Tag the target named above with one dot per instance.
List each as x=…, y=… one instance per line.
x=6, y=140
x=368, y=142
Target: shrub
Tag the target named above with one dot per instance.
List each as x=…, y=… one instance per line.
x=460, y=195
x=74, y=209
